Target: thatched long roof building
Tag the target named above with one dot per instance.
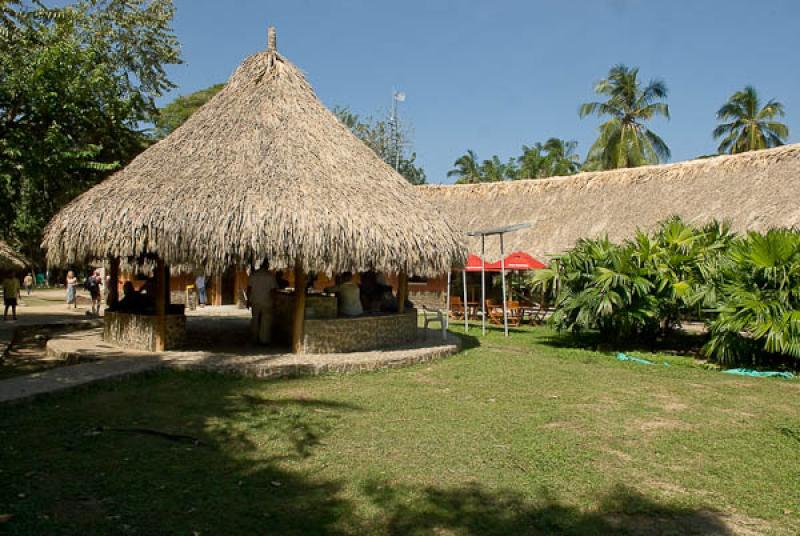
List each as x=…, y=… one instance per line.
x=755, y=190
x=262, y=172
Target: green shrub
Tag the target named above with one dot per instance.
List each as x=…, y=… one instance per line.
x=747, y=289
x=757, y=319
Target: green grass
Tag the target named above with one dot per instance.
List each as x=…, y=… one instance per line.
x=520, y=436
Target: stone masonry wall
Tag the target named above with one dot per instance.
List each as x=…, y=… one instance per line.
x=359, y=334
x=138, y=332
x=431, y=299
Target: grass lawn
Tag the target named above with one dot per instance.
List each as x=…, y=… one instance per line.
x=518, y=436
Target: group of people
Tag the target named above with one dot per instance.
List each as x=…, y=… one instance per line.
x=93, y=284
x=372, y=295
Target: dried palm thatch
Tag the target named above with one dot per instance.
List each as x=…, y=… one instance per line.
x=756, y=190
x=11, y=259
x=261, y=172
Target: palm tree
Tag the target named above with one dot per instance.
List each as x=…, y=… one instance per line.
x=624, y=140
x=532, y=163
x=494, y=170
x=553, y=158
x=561, y=157
x=749, y=126
x=466, y=168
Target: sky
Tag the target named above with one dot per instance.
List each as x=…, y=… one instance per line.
x=493, y=75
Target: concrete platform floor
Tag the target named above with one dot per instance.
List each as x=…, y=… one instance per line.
x=219, y=341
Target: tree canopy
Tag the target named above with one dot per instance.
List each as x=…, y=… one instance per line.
x=549, y=159
x=749, y=126
x=75, y=84
x=391, y=142
x=178, y=111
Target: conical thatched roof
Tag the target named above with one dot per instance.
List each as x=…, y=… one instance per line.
x=262, y=172
x=752, y=191
x=10, y=259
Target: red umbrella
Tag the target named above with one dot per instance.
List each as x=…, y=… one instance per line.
x=519, y=260
x=474, y=265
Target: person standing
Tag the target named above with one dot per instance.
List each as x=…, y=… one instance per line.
x=259, y=298
x=200, y=285
x=28, y=283
x=92, y=285
x=72, y=288
x=10, y=295
x=348, y=295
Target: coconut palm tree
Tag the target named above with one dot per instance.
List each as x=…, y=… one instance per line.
x=555, y=157
x=561, y=157
x=624, y=140
x=466, y=168
x=495, y=170
x=749, y=126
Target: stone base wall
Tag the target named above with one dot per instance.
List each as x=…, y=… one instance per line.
x=138, y=332
x=359, y=334
x=430, y=299
x=317, y=307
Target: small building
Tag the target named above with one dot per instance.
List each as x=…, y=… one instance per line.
x=263, y=173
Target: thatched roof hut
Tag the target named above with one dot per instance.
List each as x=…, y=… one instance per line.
x=11, y=259
x=755, y=190
x=261, y=172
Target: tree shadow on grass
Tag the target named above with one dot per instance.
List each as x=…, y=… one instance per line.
x=68, y=470
x=475, y=510
x=678, y=343
x=467, y=340
x=172, y=453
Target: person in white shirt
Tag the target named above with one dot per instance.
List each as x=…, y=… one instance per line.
x=348, y=296
x=259, y=297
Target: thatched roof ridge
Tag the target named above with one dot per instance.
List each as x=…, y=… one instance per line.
x=756, y=190
x=263, y=171
x=10, y=259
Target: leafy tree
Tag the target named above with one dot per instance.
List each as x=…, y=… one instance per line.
x=467, y=169
x=386, y=141
x=749, y=126
x=624, y=140
x=178, y=111
x=75, y=83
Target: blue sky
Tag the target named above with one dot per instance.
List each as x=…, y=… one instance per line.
x=494, y=75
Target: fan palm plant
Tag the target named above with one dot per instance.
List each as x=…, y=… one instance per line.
x=758, y=316
x=600, y=285
x=748, y=125
x=624, y=140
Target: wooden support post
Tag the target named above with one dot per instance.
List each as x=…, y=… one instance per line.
x=161, y=305
x=167, y=288
x=299, y=309
x=402, y=292
x=113, y=283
